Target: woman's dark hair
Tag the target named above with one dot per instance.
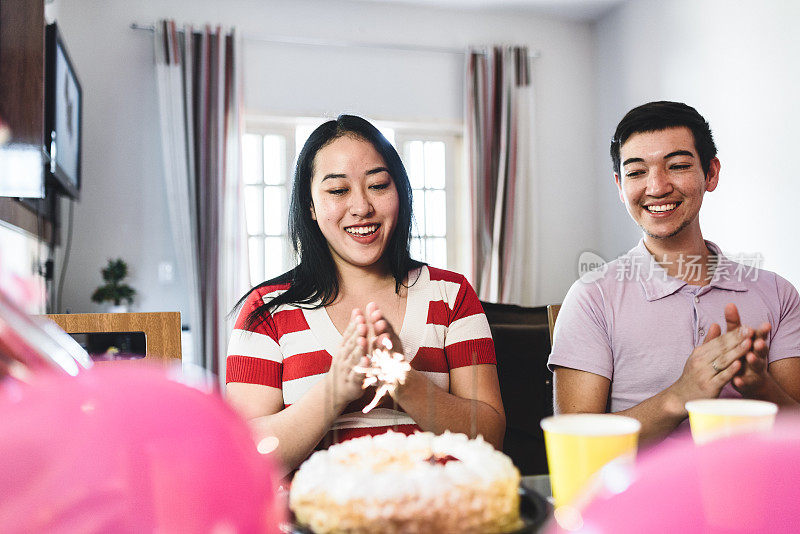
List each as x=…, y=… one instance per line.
x=314, y=282
x=657, y=116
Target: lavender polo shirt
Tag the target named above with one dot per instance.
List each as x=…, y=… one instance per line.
x=636, y=326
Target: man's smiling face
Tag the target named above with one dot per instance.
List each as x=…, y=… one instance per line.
x=661, y=181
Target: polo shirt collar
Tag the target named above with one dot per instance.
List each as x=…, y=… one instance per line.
x=657, y=284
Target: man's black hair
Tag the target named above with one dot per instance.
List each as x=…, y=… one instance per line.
x=657, y=116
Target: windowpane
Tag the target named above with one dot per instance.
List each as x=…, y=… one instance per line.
x=436, y=251
x=415, y=225
x=415, y=164
x=436, y=211
x=274, y=156
x=275, y=222
x=418, y=213
x=418, y=248
x=255, y=246
x=251, y=159
x=388, y=133
x=302, y=132
x=288, y=254
x=274, y=257
x=253, y=210
x=434, y=164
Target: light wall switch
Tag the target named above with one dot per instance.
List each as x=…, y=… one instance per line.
x=166, y=272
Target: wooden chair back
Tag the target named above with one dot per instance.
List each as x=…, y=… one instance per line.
x=162, y=330
x=552, y=315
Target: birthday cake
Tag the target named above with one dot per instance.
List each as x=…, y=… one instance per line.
x=394, y=483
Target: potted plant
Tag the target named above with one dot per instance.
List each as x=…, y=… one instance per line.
x=114, y=291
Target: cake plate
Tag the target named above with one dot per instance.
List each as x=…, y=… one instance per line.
x=534, y=510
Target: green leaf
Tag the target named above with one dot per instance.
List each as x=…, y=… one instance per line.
x=113, y=290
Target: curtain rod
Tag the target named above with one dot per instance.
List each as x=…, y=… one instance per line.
x=276, y=39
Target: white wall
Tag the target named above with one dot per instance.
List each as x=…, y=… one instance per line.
x=123, y=210
x=737, y=63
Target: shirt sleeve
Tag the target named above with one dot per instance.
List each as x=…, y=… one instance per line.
x=468, y=340
x=581, y=338
x=254, y=355
x=785, y=342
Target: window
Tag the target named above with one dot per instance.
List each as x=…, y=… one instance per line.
x=425, y=162
x=270, y=149
x=266, y=193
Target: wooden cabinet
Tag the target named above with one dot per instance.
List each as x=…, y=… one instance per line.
x=22, y=43
x=162, y=329
x=22, y=71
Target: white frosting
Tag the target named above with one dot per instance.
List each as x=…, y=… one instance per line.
x=360, y=468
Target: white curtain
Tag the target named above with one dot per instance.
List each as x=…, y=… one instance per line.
x=499, y=136
x=199, y=93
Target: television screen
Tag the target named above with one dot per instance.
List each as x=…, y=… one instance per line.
x=63, y=103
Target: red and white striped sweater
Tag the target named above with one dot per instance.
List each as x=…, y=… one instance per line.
x=444, y=328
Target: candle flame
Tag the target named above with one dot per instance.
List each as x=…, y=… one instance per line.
x=387, y=369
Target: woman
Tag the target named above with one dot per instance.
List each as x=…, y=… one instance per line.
x=292, y=358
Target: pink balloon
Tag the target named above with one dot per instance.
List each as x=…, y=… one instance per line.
x=122, y=448
x=742, y=484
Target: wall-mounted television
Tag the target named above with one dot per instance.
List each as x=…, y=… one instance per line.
x=63, y=99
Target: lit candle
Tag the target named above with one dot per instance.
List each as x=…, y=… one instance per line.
x=387, y=369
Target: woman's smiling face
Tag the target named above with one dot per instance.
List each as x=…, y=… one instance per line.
x=354, y=201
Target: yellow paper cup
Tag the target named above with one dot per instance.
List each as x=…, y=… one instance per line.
x=712, y=419
x=578, y=445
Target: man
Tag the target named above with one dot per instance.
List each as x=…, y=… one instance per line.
x=643, y=336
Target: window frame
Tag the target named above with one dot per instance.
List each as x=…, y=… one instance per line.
x=403, y=136
x=264, y=126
